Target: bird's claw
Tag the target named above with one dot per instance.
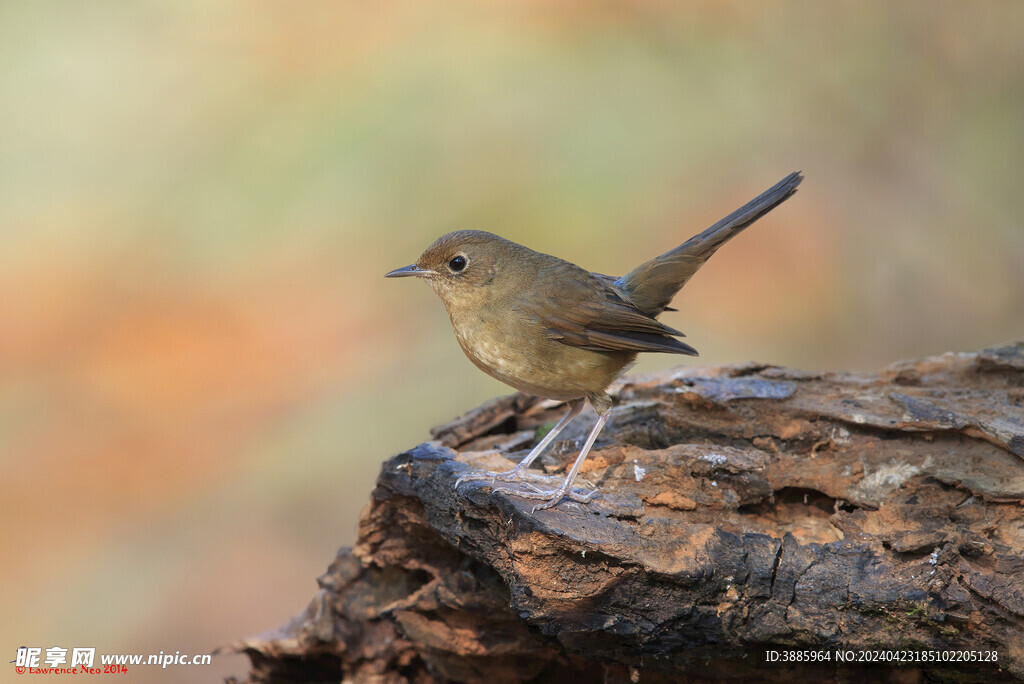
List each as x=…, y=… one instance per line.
x=468, y=477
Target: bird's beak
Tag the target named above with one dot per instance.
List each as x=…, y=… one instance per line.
x=410, y=270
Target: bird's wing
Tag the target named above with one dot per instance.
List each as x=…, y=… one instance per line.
x=584, y=311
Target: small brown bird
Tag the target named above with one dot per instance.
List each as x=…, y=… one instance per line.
x=549, y=328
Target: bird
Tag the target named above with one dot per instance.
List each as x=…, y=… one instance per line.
x=550, y=328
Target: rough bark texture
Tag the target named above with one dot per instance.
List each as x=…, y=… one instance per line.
x=741, y=509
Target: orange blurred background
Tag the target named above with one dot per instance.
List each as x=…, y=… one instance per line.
x=201, y=366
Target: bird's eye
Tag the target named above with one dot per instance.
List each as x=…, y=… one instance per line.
x=457, y=263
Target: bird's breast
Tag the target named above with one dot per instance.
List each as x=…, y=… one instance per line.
x=517, y=351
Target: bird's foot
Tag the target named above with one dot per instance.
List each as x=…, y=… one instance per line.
x=550, y=497
x=516, y=473
x=506, y=476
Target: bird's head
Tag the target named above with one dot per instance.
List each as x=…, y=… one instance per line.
x=461, y=266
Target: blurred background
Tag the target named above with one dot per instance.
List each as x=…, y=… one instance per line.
x=201, y=366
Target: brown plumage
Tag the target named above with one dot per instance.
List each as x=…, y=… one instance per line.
x=550, y=328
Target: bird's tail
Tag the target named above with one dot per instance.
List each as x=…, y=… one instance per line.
x=651, y=285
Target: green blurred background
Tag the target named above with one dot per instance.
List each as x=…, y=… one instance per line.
x=201, y=366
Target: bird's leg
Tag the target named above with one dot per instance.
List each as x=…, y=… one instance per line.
x=516, y=473
x=554, y=496
x=575, y=406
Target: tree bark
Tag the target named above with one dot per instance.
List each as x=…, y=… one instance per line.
x=742, y=510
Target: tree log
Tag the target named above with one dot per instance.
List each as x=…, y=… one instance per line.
x=743, y=510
